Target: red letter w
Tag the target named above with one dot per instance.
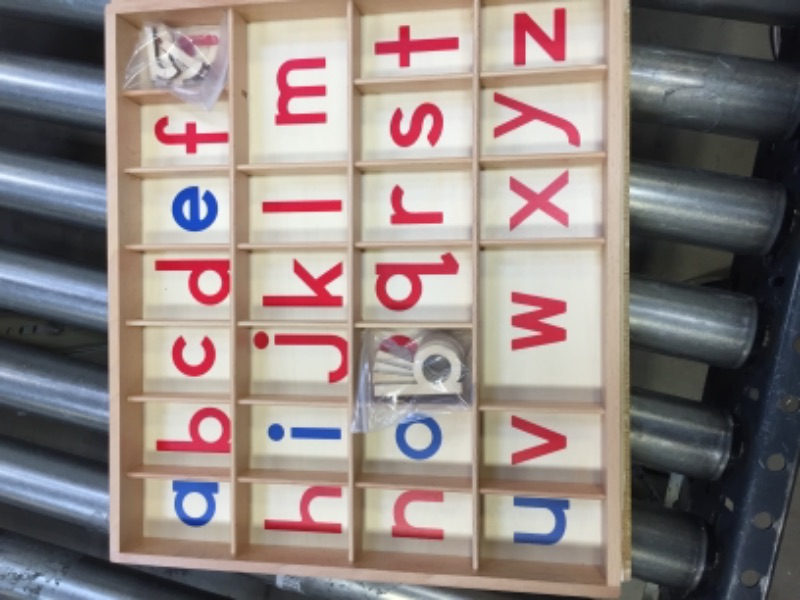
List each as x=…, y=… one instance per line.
x=534, y=321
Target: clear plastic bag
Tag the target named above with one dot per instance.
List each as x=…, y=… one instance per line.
x=406, y=375
x=190, y=62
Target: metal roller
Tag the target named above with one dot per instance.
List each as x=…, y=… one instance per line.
x=667, y=433
x=53, y=290
x=51, y=484
x=58, y=487
x=713, y=326
x=715, y=93
x=703, y=91
x=95, y=544
x=79, y=245
x=340, y=589
x=737, y=214
x=772, y=12
x=36, y=571
x=702, y=324
x=66, y=192
x=51, y=385
x=77, y=13
x=76, y=393
x=669, y=548
x=675, y=435
x=89, y=13
x=21, y=425
x=53, y=90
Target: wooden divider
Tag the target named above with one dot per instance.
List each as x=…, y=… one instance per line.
x=355, y=445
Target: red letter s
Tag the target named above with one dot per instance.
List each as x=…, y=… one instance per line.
x=404, y=140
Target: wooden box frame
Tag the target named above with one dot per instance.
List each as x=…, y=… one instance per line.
x=128, y=474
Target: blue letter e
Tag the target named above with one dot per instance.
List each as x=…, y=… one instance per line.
x=187, y=208
x=183, y=489
x=559, y=510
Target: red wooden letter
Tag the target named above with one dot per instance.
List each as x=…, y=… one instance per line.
x=534, y=321
x=301, y=206
x=413, y=273
x=318, y=285
x=404, y=140
x=400, y=216
x=196, y=269
x=402, y=528
x=286, y=92
x=197, y=443
x=404, y=46
x=553, y=441
x=314, y=339
x=190, y=138
x=528, y=113
x=539, y=201
x=401, y=346
x=307, y=524
x=555, y=46
x=200, y=369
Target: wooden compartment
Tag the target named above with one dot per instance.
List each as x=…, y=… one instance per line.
x=552, y=298
x=184, y=210
x=408, y=208
x=417, y=522
x=436, y=450
x=373, y=165
x=543, y=530
x=423, y=285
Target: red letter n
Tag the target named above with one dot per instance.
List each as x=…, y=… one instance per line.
x=286, y=92
x=402, y=528
x=555, y=46
x=534, y=321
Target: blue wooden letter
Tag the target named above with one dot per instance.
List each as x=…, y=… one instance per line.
x=183, y=489
x=189, y=198
x=424, y=453
x=559, y=510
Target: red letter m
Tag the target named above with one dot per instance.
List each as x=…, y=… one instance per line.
x=287, y=92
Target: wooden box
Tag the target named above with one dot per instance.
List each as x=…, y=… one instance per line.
x=371, y=164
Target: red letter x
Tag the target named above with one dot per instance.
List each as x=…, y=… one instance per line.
x=540, y=201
